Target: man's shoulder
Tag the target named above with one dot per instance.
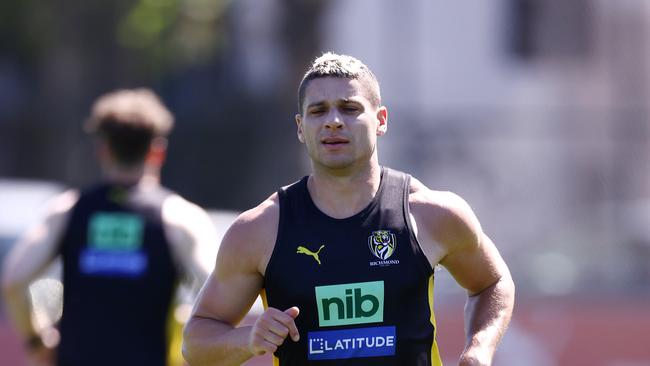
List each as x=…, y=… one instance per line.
x=445, y=215
x=422, y=196
x=249, y=241
x=63, y=203
x=176, y=209
x=260, y=221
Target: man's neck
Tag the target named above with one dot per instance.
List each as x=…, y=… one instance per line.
x=343, y=194
x=139, y=174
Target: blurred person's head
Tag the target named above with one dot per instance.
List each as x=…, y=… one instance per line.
x=341, y=115
x=131, y=126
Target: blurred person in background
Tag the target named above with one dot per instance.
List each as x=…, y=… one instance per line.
x=344, y=258
x=125, y=244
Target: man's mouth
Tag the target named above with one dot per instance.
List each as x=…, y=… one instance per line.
x=334, y=141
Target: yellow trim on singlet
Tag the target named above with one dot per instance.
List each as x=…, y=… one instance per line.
x=276, y=361
x=174, y=334
x=263, y=296
x=174, y=338
x=435, y=353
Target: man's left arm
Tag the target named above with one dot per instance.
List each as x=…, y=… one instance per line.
x=475, y=263
x=193, y=238
x=490, y=299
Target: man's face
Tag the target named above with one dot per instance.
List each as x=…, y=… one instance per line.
x=339, y=125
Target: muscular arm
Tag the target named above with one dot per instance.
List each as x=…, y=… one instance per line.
x=192, y=235
x=452, y=236
x=211, y=336
x=29, y=257
x=487, y=315
x=480, y=269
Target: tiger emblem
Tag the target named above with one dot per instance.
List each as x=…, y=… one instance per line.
x=382, y=244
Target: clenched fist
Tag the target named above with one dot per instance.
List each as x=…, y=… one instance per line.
x=271, y=329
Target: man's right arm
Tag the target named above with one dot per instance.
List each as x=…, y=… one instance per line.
x=30, y=256
x=211, y=336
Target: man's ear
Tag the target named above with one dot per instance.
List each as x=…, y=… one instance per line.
x=382, y=119
x=299, y=125
x=102, y=150
x=157, y=152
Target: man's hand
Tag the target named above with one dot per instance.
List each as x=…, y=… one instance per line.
x=41, y=349
x=271, y=329
x=42, y=356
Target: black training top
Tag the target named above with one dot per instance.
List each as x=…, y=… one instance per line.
x=118, y=279
x=363, y=285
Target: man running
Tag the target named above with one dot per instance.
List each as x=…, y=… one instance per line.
x=367, y=297
x=125, y=244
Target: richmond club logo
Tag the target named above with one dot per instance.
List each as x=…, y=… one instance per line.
x=382, y=244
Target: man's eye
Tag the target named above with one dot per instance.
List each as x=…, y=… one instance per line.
x=350, y=109
x=316, y=112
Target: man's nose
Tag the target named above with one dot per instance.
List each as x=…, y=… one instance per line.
x=333, y=120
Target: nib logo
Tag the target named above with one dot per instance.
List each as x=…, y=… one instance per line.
x=352, y=303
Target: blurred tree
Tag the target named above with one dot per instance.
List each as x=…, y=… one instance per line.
x=60, y=55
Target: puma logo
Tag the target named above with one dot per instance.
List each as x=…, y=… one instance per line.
x=303, y=250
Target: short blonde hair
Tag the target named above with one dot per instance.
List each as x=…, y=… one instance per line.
x=341, y=66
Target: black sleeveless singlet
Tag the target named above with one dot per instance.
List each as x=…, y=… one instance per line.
x=118, y=277
x=363, y=285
